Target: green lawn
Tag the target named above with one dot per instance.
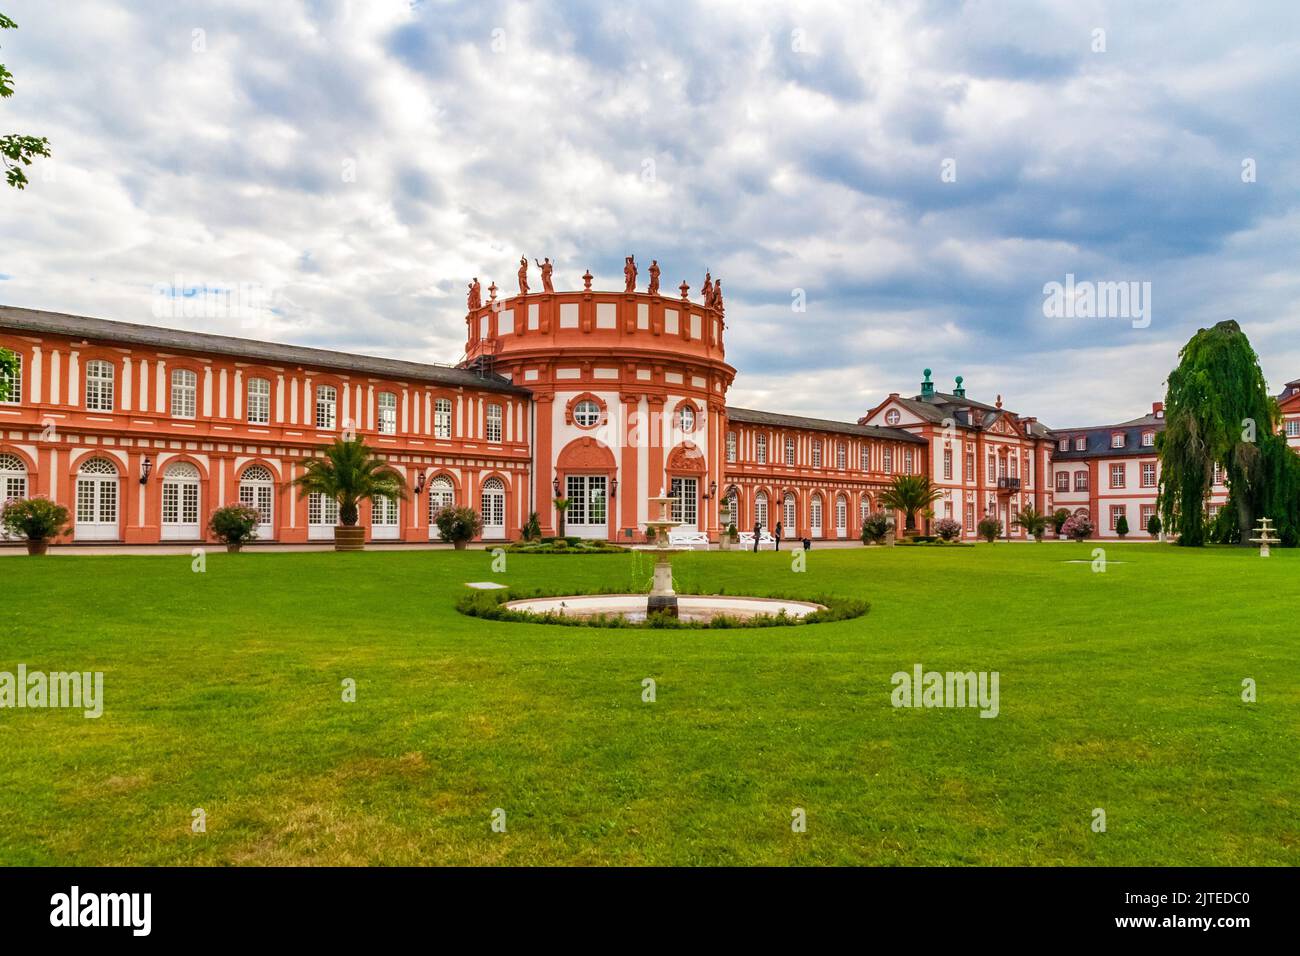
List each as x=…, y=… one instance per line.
x=1119, y=690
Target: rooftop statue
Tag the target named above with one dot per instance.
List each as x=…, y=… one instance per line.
x=629, y=273
x=653, y=288
x=475, y=295
x=546, y=268
x=523, y=275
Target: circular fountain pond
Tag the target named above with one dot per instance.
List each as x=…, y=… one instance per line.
x=690, y=607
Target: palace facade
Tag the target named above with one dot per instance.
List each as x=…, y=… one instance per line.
x=603, y=398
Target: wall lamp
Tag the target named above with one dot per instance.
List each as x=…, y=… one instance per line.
x=555, y=486
x=146, y=466
x=613, y=487
x=419, y=483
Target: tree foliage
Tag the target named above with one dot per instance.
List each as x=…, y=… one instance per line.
x=17, y=150
x=349, y=473
x=1218, y=409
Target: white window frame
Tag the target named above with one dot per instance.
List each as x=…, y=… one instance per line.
x=184, y=395
x=493, y=429
x=442, y=418
x=257, y=401
x=100, y=376
x=15, y=380
x=731, y=446
x=327, y=407
x=386, y=422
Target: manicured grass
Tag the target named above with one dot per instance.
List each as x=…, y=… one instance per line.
x=1119, y=690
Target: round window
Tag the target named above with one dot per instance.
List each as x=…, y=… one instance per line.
x=686, y=419
x=891, y=416
x=586, y=413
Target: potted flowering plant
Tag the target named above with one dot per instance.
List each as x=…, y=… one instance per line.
x=36, y=519
x=458, y=525
x=947, y=529
x=1077, y=527
x=233, y=525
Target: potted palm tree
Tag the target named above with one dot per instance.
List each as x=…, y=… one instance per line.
x=349, y=472
x=910, y=494
x=36, y=519
x=1032, y=520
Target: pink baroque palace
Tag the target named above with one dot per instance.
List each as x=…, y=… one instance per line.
x=602, y=398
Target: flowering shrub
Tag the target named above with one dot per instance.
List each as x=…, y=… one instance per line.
x=990, y=529
x=874, y=528
x=36, y=519
x=947, y=529
x=234, y=524
x=1077, y=527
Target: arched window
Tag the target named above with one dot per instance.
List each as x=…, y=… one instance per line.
x=442, y=494
x=732, y=508
x=841, y=515
x=185, y=388
x=493, y=501
x=815, y=515
x=99, y=386
x=180, y=501
x=259, y=401
x=387, y=413
x=790, y=515
x=257, y=490
x=13, y=478
x=760, y=509
x=97, y=500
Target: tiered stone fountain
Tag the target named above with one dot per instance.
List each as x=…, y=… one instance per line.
x=663, y=598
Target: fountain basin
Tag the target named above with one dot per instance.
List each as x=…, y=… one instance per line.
x=690, y=607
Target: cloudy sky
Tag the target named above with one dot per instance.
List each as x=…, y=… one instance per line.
x=919, y=170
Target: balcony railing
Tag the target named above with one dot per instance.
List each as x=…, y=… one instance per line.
x=1008, y=484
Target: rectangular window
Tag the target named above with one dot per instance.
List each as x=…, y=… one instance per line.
x=841, y=456
x=1080, y=481
x=731, y=446
x=1148, y=439
x=993, y=468
x=327, y=398
x=13, y=381
x=789, y=451
x=970, y=466
x=259, y=401
x=866, y=457
x=185, y=387
x=1147, y=512
x=1063, y=444
x=760, y=449
x=817, y=454
x=1116, y=512
x=1117, y=440
x=685, y=495
x=947, y=464
x=442, y=418
x=322, y=510
x=1218, y=473
x=1117, y=476
x=99, y=386
x=907, y=461
x=1081, y=444
x=1293, y=428
x=1148, y=474
x=1062, y=481
x=887, y=454
x=494, y=423
x=387, y=413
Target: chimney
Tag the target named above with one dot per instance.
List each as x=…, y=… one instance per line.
x=1158, y=409
x=960, y=390
x=927, y=386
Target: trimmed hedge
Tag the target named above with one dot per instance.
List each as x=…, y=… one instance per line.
x=487, y=605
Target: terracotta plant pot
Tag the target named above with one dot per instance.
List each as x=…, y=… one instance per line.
x=233, y=548
x=349, y=538
x=37, y=545
x=460, y=545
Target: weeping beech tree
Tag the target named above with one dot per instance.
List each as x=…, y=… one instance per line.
x=1218, y=409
